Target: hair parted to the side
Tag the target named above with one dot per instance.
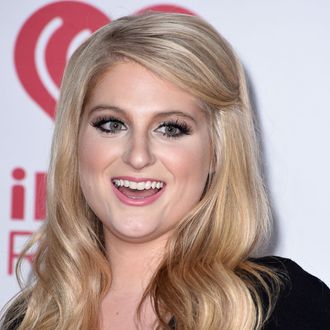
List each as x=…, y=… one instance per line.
x=206, y=280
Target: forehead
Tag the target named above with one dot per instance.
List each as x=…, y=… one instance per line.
x=129, y=85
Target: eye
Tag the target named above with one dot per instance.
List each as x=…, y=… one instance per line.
x=174, y=129
x=109, y=125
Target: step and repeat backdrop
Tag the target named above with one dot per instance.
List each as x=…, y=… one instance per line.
x=285, y=48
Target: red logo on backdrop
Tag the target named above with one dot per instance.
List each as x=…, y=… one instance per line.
x=47, y=39
x=42, y=46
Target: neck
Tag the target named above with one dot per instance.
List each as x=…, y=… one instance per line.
x=133, y=264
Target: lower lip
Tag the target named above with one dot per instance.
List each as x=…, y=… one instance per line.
x=137, y=201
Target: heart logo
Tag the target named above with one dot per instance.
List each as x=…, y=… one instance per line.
x=48, y=38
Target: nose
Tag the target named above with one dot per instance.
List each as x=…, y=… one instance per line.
x=138, y=153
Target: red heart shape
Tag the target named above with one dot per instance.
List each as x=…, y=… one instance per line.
x=44, y=40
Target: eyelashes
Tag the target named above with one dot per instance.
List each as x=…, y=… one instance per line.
x=169, y=128
x=174, y=129
x=110, y=125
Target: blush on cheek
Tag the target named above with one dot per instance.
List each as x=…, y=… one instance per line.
x=194, y=157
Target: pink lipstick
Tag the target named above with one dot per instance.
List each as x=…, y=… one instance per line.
x=137, y=191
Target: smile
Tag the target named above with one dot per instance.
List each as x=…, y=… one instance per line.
x=137, y=192
x=142, y=185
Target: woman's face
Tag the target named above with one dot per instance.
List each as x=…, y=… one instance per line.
x=144, y=153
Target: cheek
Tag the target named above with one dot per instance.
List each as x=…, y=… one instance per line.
x=93, y=157
x=88, y=152
x=89, y=160
x=189, y=161
x=95, y=154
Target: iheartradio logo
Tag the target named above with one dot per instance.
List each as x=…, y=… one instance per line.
x=49, y=37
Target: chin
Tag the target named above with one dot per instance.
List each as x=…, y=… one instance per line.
x=134, y=233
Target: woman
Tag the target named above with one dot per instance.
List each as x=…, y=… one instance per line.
x=155, y=198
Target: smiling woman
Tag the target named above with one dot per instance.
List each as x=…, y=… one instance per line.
x=156, y=203
x=142, y=148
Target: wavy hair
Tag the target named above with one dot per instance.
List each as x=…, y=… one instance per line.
x=206, y=279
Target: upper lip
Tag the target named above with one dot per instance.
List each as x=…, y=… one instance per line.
x=130, y=178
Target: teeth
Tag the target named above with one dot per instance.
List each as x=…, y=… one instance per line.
x=138, y=185
x=132, y=185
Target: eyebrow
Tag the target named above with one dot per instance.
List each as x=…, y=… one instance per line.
x=158, y=114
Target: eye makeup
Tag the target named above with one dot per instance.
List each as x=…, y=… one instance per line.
x=174, y=128
x=108, y=124
x=171, y=128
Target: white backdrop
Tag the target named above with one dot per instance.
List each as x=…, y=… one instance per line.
x=284, y=45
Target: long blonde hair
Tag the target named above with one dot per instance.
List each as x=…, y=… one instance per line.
x=206, y=280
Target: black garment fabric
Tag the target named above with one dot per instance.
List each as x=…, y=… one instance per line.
x=303, y=303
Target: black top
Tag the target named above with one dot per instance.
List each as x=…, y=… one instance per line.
x=304, y=300
x=303, y=303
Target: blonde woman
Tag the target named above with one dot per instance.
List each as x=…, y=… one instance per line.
x=155, y=198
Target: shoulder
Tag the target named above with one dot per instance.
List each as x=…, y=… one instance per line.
x=304, y=300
